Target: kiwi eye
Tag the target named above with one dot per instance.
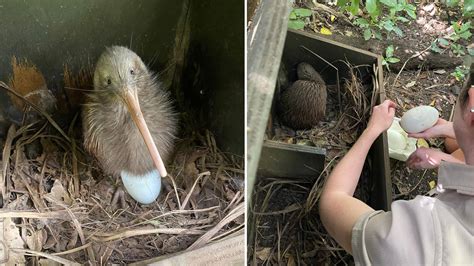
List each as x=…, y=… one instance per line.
x=132, y=72
x=109, y=81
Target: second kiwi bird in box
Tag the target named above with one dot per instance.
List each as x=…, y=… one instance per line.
x=303, y=104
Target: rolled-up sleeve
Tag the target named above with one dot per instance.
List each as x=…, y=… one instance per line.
x=404, y=236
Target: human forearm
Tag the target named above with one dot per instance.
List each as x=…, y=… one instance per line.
x=338, y=209
x=448, y=130
x=345, y=176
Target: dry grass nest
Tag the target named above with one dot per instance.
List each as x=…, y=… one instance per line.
x=286, y=224
x=58, y=206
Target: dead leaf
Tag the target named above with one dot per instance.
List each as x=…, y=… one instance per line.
x=410, y=84
x=291, y=261
x=10, y=236
x=58, y=194
x=439, y=71
x=20, y=203
x=48, y=262
x=325, y=31
x=34, y=239
x=263, y=254
x=422, y=143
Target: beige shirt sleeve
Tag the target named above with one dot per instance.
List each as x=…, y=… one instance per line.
x=404, y=236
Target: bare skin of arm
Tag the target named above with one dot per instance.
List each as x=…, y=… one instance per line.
x=338, y=209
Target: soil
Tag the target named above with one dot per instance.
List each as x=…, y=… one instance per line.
x=296, y=236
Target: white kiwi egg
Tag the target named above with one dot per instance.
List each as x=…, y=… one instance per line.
x=144, y=189
x=419, y=119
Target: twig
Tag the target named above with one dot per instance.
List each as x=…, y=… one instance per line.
x=60, y=215
x=175, y=190
x=413, y=189
x=105, y=237
x=6, y=160
x=39, y=110
x=33, y=253
x=413, y=56
x=235, y=213
x=437, y=85
x=185, y=202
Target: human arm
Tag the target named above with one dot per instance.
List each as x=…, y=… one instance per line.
x=442, y=128
x=338, y=209
x=424, y=158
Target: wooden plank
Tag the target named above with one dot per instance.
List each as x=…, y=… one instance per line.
x=229, y=251
x=290, y=160
x=265, y=46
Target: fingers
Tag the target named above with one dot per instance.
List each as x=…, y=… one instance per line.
x=391, y=104
x=387, y=105
x=417, y=135
x=441, y=121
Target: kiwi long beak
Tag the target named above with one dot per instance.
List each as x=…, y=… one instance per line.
x=131, y=101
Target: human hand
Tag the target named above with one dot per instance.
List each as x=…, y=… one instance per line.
x=424, y=158
x=440, y=129
x=382, y=117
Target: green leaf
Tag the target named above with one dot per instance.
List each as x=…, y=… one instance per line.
x=465, y=35
x=302, y=12
x=466, y=26
x=296, y=24
x=293, y=15
x=392, y=60
x=367, y=34
x=409, y=7
x=389, y=51
x=468, y=7
x=456, y=26
x=377, y=34
x=342, y=3
x=362, y=22
x=398, y=31
x=389, y=3
x=354, y=8
x=452, y=3
x=411, y=13
x=435, y=48
x=371, y=6
x=470, y=51
x=388, y=25
x=402, y=19
x=443, y=41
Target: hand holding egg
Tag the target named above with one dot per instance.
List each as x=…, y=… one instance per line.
x=419, y=119
x=440, y=129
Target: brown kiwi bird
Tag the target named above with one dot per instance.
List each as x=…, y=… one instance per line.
x=129, y=123
x=303, y=104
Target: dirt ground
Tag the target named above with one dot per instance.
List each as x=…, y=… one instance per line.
x=288, y=229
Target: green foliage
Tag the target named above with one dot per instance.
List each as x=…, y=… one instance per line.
x=298, y=17
x=462, y=31
x=466, y=5
x=460, y=73
x=468, y=10
x=383, y=16
x=389, y=58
